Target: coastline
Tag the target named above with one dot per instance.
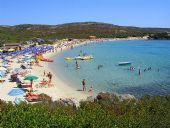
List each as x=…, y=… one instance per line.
x=61, y=89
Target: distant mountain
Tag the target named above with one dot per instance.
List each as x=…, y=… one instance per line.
x=25, y=32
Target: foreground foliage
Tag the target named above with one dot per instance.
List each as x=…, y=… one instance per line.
x=145, y=113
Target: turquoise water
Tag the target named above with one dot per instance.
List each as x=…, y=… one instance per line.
x=114, y=78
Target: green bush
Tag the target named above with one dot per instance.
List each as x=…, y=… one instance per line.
x=147, y=112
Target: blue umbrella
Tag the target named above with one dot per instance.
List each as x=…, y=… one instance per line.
x=16, y=92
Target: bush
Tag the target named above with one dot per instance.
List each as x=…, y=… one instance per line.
x=145, y=113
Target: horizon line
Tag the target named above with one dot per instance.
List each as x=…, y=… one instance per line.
x=5, y=25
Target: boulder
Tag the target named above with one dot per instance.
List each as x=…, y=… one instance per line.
x=105, y=96
x=127, y=97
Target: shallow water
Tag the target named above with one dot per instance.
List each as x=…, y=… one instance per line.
x=114, y=78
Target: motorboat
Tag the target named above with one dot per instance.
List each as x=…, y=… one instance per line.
x=124, y=63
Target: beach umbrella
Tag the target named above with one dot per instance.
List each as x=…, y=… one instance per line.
x=16, y=92
x=6, y=61
x=19, y=70
x=2, y=73
x=11, y=50
x=31, y=78
x=6, y=65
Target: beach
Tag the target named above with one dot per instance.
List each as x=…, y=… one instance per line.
x=59, y=88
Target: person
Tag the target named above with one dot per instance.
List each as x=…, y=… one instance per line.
x=44, y=73
x=99, y=66
x=77, y=65
x=84, y=85
x=149, y=68
x=71, y=46
x=76, y=62
x=139, y=71
x=50, y=77
x=91, y=90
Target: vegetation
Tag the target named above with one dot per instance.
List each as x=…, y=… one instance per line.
x=161, y=36
x=21, y=33
x=147, y=112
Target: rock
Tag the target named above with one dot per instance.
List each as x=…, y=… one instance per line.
x=105, y=96
x=69, y=102
x=45, y=97
x=127, y=97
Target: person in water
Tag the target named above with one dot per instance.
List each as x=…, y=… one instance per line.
x=149, y=68
x=84, y=85
x=139, y=72
x=99, y=66
x=131, y=68
x=76, y=62
x=77, y=65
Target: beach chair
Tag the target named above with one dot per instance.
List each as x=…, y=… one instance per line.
x=26, y=85
x=30, y=97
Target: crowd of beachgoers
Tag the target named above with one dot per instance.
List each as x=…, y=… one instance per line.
x=25, y=74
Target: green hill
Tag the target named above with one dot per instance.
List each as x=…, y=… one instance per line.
x=25, y=32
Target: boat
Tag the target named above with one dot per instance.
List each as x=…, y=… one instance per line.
x=68, y=58
x=84, y=58
x=124, y=63
x=80, y=58
x=47, y=60
x=87, y=57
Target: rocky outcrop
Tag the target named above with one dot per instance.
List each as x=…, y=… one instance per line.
x=114, y=97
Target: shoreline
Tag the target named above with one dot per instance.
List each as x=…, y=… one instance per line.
x=61, y=89
x=71, y=92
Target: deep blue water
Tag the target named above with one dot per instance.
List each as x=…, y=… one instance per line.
x=114, y=78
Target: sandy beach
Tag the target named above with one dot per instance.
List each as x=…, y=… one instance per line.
x=59, y=89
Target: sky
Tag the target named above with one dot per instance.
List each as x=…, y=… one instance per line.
x=141, y=13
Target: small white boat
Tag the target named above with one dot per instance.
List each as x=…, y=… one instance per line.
x=124, y=63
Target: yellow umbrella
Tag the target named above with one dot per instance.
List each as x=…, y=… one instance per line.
x=1, y=50
x=11, y=50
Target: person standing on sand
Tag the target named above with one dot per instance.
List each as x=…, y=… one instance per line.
x=44, y=73
x=50, y=77
x=84, y=85
x=91, y=91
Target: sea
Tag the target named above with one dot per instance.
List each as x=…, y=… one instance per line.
x=151, y=57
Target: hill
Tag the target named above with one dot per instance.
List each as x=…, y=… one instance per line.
x=78, y=30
